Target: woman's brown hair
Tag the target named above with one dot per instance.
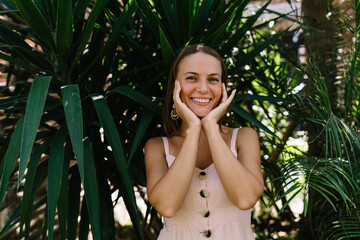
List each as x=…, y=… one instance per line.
x=171, y=126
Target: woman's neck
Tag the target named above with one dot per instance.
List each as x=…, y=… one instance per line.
x=183, y=128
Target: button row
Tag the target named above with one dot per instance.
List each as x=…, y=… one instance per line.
x=204, y=194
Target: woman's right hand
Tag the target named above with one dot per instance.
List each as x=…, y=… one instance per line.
x=187, y=116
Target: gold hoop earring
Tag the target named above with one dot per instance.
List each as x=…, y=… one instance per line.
x=173, y=114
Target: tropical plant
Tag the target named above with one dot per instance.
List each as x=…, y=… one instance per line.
x=330, y=179
x=88, y=90
x=60, y=50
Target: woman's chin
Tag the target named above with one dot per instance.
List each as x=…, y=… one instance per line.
x=201, y=115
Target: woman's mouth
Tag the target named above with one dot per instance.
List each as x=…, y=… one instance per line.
x=201, y=100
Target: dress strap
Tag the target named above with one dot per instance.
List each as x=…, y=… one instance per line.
x=166, y=145
x=233, y=140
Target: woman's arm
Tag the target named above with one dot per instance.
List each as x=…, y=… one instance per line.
x=167, y=187
x=241, y=176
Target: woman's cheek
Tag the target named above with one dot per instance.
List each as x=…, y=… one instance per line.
x=220, y=94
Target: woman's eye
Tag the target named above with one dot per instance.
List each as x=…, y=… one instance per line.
x=215, y=80
x=191, y=78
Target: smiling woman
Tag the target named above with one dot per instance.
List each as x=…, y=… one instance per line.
x=185, y=57
x=203, y=177
x=199, y=76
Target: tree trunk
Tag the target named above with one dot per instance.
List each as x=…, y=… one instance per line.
x=320, y=39
x=321, y=51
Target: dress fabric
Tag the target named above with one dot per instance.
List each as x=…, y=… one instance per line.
x=207, y=212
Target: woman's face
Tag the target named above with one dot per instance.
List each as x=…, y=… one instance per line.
x=199, y=75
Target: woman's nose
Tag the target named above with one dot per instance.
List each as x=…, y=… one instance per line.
x=202, y=86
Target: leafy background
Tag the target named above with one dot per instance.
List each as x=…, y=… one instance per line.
x=84, y=90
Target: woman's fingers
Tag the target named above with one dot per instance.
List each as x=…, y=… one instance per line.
x=225, y=99
x=176, y=92
x=224, y=93
x=229, y=99
x=232, y=95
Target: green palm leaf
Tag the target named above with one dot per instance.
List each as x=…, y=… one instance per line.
x=36, y=20
x=137, y=97
x=79, y=10
x=40, y=176
x=9, y=102
x=166, y=50
x=73, y=114
x=33, y=113
x=64, y=30
x=202, y=12
x=240, y=33
x=113, y=137
x=220, y=26
x=56, y=162
x=74, y=203
x=91, y=190
x=184, y=17
x=30, y=187
x=11, y=156
x=150, y=16
x=63, y=201
x=19, y=62
x=96, y=11
x=113, y=38
x=140, y=132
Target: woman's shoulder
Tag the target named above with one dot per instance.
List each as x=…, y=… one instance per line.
x=154, y=143
x=247, y=135
x=246, y=131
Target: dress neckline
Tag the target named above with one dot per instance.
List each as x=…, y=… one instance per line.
x=200, y=169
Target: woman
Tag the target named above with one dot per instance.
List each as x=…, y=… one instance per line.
x=203, y=177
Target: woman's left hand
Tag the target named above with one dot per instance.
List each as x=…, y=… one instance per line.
x=215, y=115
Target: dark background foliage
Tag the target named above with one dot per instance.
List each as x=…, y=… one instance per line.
x=84, y=90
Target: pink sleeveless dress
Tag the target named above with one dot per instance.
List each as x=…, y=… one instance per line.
x=207, y=212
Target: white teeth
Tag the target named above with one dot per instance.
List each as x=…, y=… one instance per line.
x=201, y=100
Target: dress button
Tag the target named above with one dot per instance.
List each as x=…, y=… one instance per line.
x=206, y=233
x=202, y=176
x=204, y=193
x=205, y=213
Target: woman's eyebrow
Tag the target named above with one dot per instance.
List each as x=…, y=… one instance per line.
x=195, y=73
x=212, y=74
